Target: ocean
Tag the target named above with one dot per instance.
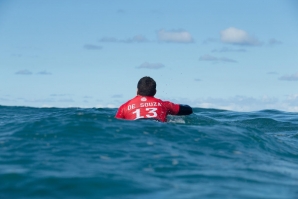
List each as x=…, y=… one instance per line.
x=85, y=153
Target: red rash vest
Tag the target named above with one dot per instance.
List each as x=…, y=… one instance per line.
x=147, y=107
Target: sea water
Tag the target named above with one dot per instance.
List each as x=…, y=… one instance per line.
x=87, y=153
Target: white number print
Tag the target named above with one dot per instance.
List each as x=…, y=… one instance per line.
x=138, y=114
x=151, y=112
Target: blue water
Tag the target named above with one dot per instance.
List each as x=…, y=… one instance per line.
x=86, y=153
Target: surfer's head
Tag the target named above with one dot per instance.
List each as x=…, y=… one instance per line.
x=146, y=86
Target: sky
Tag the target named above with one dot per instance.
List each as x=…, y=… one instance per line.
x=239, y=55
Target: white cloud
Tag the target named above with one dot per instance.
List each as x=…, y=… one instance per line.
x=292, y=100
x=179, y=36
x=111, y=106
x=216, y=59
x=292, y=97
x=151, y=65
x=239, y=37
x=138, y=38
x=24, y=72
x=293, y=77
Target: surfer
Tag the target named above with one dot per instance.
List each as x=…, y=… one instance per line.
x=146, y=106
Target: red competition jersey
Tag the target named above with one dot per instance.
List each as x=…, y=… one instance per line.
x=147, y=107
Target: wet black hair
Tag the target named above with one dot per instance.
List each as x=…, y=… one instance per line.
x=146, y=86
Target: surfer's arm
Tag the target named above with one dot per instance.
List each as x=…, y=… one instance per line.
x=184, y=110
